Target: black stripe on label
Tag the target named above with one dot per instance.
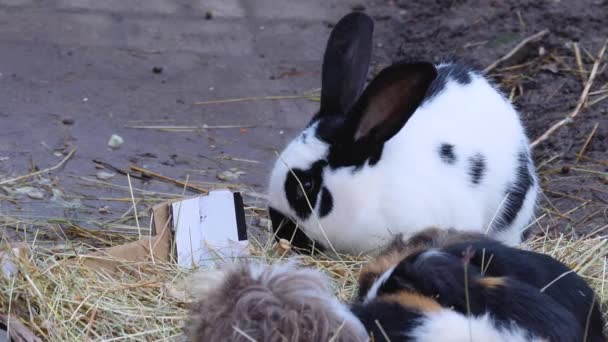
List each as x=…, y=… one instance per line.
x=239, y=213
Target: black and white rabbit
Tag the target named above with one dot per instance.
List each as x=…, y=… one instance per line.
x=422, y=145
x=530, y=289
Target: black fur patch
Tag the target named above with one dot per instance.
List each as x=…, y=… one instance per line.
x=477, y=167
x=442, y=276
x=354, y=154
x=517, y=191
x=459, y=73
x=446, y=152
x=538, y=270
x=329, y=129
x=343, y=152
x=302, y=187
x=285, y=228
x=327, y=202
x=382, y=318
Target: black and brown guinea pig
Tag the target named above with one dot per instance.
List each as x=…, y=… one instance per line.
x=522, y=293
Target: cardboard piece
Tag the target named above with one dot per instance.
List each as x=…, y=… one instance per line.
x=157, y=247
x=203, y=229
x=209, y=228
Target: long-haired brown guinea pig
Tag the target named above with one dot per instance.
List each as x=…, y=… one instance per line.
x=253, y=302
x=477, y=276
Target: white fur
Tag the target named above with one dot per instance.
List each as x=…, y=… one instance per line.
x=373, y=290
x=450, y=326
x=411, y=188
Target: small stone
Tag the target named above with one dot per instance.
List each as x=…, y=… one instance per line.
x=104, y=210
x=157, y=70
x=67, y=121
x=542, y=51
x=36, y=194
x=58, y=154
x=30, y=192
x=103, y=175
x=229, y=176
x=115, y=141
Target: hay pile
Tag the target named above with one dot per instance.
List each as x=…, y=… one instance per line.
x=62, y=302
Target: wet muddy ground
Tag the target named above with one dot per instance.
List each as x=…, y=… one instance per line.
x=73, y=73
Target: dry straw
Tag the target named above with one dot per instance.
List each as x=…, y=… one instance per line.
x=68, y=302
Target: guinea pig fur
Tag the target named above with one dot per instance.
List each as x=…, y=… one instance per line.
x=507, y=283
x=400, y=248
x=269, y=303
x=414, y=318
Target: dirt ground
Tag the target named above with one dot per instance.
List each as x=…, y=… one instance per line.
x=73, y=74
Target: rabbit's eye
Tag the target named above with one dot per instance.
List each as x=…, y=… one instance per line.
x=305, y=189
x=308, y=185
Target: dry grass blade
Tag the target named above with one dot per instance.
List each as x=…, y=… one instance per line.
x=587, y=141
x=581, y=101
x=255, y=98
x=153, y=174
x=52, y=168
x=189, y=128
x=518, y=47
x=579, y=63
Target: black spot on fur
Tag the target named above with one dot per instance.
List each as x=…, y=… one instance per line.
x=327, y=202
x=446, y=152
x=302, y=188
x=516, y=192
x=450, y=72
x=477, y=167
x=285, y=228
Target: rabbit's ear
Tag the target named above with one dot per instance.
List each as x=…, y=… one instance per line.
x=346, y=63
x=389, y=101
